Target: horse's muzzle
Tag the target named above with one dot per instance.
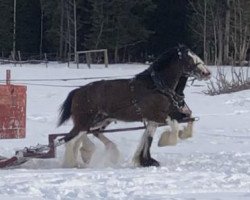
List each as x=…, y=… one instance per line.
x=206, y=74
x=203, y=73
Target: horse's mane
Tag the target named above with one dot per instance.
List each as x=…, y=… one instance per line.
x=160, y=63
x=165, y=59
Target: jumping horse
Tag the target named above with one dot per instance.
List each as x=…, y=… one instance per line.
x=149, y=97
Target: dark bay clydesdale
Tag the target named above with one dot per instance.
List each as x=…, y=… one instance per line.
x=151, y=96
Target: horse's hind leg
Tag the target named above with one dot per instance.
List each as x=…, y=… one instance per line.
x=71, y=149
x=111, y=148
x=79, y=143
x=87, y=149
x=142, y=155
x=74, y=141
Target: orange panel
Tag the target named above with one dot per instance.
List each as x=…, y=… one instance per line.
x=12, y=111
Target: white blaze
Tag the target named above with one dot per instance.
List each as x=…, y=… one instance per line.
x=199, y=63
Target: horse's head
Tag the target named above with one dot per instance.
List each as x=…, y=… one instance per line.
x=192, y=64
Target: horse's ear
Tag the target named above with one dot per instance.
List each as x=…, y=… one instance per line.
x=182, y=46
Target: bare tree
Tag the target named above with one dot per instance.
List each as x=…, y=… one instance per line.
x=227, y=33
x=224, y=28
x=68, y=28
x=241, y=29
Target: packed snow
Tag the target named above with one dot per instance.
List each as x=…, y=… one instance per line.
x=213, y=164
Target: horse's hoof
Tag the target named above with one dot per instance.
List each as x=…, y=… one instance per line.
x=150, y=162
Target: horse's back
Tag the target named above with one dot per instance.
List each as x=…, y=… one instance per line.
x=101, y=95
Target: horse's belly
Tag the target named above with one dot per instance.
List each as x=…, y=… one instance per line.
x=155, y=107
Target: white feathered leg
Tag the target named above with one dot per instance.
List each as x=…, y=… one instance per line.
x=111, y=148
x=142, y=156
x=71, y=152
x=169, y=138
x=187, y=132
x=87, y=149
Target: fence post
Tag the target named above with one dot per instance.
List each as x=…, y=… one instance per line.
x=88, y=59
x=46, y=60
x=106, y=58
x=77, y=60
x=13, y=57
x=8, y=76
x=19, y=58
x=68, y=59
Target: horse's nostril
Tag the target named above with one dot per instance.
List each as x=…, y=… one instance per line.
x=206, y=73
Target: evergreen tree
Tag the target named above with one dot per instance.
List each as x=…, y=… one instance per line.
x=84, y=24
x=51, y=24
x=170, y=25
x=28, y=26
x=6, y=26
x=118, y=24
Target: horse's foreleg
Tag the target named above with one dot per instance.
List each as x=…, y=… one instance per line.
x=142, y=155
x=169, y=138
x=111, y=147
x=187, y=132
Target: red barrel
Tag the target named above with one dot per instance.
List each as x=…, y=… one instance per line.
x=12, y=110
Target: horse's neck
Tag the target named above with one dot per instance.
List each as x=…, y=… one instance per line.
x=181, y=85
x=172, y=76
x=166, y=79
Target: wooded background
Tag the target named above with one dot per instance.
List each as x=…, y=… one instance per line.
x=131, y=30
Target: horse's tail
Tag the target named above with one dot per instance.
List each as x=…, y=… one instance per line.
x=65, y=109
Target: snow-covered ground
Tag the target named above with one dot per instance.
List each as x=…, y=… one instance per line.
x=214, y=164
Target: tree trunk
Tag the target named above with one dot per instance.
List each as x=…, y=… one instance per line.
x=205, y=32
x=75, y=32
x=116, y=54
x=61, y=30
x=235, y=34
x=41, y=31
x=220, y=40
x=227, y=34
x=244, y=45
x=14, y=32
